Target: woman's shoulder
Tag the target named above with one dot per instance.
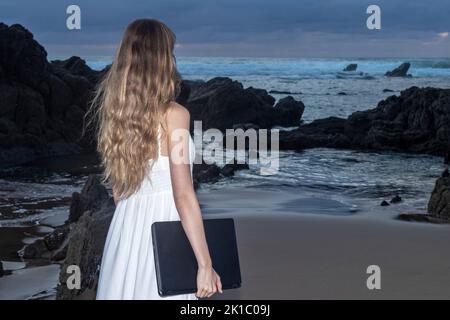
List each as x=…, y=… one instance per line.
x=176, y=112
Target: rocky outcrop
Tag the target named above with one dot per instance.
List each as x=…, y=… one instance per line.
x=85, y=247
x=351, y=67
x=288, y=112
x=207, y=173
x=91, y=198
x=222, y=103
x=42, y=104
x=439, y=204
x=400, y=71
x=417, y=121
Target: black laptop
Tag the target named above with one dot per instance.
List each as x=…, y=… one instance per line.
x=176, y=266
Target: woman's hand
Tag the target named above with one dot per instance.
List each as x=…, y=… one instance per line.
x=208, y=282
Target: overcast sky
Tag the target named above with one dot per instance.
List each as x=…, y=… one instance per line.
x=281, y=28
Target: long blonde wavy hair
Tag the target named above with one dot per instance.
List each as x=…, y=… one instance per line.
x=131, y=102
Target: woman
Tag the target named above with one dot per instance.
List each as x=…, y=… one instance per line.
x=147, y=153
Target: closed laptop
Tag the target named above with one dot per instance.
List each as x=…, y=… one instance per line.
x=176, y=265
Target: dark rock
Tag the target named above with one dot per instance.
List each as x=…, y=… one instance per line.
x=384, y=203
x=42, y=104
x=204, y=172
x=288, y=112
x=413, y=217
x=222, y=103
x=283, y=92
x=55, y=239
x=351, y=67
x=85, y=250
x=438, y=205
x=400, y=71
x=420, y=217
x=84, y=245
x=35, y=250
x=342, y=93
x=60, y=253
x=2, y=271
x=447, y=157
x=417, y=121
x=396, y=199
x=185, y=92
x=245, y=126
x=328, y=132
x=91, y=197
x=77, y=66
x=388, y=90
x=229, y=169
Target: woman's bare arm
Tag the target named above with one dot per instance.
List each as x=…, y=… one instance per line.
x=184, y=195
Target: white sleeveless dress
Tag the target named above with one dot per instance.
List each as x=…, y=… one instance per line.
x=128, y=268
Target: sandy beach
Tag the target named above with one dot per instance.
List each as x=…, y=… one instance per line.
x=292, y=256
x=287, y=253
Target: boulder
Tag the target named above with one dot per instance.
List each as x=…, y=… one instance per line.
x=439, y=203
x=85, y=250
x=351, y=67
x=396, y=199
x=42, y=104
x=417, y=121
x=35, y=250
x=91, y=198
x=288, y=112
x=86, y=240
x=229, y=169
x=223, y=103
x=400, y=71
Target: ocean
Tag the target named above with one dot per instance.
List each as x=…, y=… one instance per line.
x=357, y=180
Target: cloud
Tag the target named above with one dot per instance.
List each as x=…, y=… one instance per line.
x=241, y=27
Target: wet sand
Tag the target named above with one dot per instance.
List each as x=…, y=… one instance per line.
x=288, y=257
x=293, y=256
x=288, y=250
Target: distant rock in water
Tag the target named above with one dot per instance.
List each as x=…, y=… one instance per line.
x=384, y=203
x=388, y=90
x=351, y=67
x=396, y=199
x=342, y=93
x=417, y=121
x=400, y=71
x=283, y=92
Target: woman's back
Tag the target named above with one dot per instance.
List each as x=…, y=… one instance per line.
x=147, y=154
x=128, y=267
